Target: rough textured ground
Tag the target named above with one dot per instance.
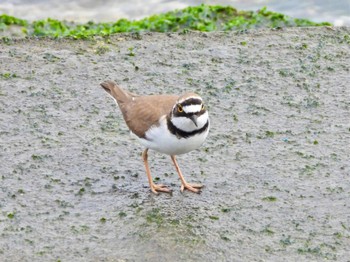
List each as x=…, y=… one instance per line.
x=275, y=164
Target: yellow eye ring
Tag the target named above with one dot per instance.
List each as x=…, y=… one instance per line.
x=202, y=108
x=180, y=108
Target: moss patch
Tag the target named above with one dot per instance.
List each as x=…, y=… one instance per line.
x=204, y=18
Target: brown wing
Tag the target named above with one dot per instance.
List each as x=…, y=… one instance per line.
x=140, y=112
x=144, y=111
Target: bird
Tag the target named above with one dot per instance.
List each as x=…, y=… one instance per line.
x=169, y=124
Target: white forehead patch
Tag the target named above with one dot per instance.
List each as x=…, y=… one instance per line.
x=187, y=98
x=192, y=108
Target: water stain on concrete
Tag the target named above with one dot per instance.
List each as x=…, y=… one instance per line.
x=275, y=165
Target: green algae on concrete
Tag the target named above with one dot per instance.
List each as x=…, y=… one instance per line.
x=203, y=18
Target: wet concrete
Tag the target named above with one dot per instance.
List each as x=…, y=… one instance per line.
x=275, y=165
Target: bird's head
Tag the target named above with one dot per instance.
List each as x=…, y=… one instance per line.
x=189, y=113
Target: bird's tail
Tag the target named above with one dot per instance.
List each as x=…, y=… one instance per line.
x=119, y=94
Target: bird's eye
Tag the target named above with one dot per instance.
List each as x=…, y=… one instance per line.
x=202, y=108
x=180, y=108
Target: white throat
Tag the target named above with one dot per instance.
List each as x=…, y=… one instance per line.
x=160, y=139
x=187, y=125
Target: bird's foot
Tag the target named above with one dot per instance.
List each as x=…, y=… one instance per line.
x=160, y=188
x=196, y=188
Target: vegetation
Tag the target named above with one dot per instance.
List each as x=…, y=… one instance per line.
x=201, y=18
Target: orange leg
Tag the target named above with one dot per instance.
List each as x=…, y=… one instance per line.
x=155, y=188
x=184, y=185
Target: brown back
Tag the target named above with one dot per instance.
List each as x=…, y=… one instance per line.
x=140, y=112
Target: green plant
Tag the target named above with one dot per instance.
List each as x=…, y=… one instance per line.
x=200, y=18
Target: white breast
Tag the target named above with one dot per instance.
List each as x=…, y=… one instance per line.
x=160, y=139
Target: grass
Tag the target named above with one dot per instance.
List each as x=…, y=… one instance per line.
x=203, y=18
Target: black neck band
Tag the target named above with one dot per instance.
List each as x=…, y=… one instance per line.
x=184, y=134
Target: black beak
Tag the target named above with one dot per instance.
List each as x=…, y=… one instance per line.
x=194, y=119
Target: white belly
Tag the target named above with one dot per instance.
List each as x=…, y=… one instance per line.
x=161, y=140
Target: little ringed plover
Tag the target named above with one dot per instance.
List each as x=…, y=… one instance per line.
x=169, y=124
